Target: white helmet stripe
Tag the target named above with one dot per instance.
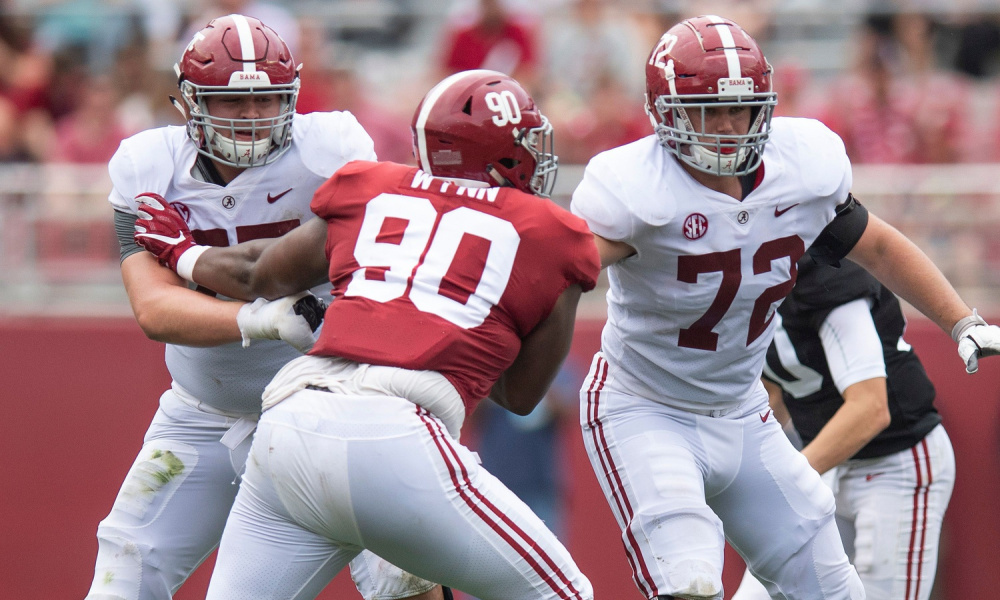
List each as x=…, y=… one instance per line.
x=729, y=47
x=246, y=42
x=425, y=111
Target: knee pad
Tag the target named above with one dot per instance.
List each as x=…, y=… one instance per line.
x=694, y=580
x=118, y=571
x=378, y=579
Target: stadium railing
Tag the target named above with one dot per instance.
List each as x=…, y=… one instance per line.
x=59, y=255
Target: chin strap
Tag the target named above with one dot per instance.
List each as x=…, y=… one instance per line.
x=500, y=179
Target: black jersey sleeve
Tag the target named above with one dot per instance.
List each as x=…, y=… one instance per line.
x=841, y=234
x=821, y=286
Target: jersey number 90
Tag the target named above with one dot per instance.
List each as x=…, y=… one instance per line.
x=435, y=252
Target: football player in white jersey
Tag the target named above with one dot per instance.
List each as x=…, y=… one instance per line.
x=701, y=226
x=245, y=167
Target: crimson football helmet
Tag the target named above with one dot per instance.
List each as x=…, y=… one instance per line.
x=709, y=62
x=482, y=126
x=238, y=55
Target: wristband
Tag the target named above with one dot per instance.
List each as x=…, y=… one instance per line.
x=964, y=324
x=185, y=264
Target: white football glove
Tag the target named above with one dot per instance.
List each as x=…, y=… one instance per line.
x=295, y=319
x=976, y=339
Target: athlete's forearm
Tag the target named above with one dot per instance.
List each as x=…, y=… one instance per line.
x=864, y=414
x=167, y=311
x=267, y=268
x=899, y=264
x=228, y=270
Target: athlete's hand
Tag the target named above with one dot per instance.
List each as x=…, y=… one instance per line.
x=295, y=319
x=976, y=339
x=161, y=230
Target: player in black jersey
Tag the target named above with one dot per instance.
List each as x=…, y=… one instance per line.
x=863, y=406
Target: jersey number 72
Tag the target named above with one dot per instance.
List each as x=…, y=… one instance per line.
x=700, y=335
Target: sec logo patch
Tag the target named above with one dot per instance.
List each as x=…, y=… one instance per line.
x=695, y=226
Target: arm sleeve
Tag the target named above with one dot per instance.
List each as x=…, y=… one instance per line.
x=852, y=345
x=843, y=232
x=125, y=230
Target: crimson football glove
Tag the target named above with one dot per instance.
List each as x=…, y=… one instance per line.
x=161, y=230
x=976, y=339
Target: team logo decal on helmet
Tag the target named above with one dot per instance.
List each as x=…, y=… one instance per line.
x=483, y=127
x=709, y=63
x=238, y=56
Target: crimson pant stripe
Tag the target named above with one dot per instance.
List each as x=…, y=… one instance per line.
x=632, y=550
x=914, y=520
x=923, y=518
x=460, y=479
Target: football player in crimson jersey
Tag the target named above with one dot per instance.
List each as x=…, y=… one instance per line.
x=452, y=282
x=701, y=226
x=245, y=167
x=862, y=405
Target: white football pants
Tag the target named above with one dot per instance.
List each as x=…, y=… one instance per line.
x=673, y=478
x=330, y=474
x=890, y=510
x=171, y=509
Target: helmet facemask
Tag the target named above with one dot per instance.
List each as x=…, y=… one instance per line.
x=540, y=143
x=217, y=137
x=716, y=154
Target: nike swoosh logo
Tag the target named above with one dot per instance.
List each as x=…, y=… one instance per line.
x=763, y=417
x=780, y=211
x=871, y=476
x=272, y=199
x=162, y=238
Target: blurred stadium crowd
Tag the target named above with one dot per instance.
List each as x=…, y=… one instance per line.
x=903, y=82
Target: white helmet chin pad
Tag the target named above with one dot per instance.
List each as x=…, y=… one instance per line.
x=238, y=153
x=704, y=159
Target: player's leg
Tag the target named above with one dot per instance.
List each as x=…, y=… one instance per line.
x=898, y=504
x=779, y=515
x=382, y=473
x=451, y=520
x=284, y=538
x=172, y=506
x=750, y=587
x=650, y=465
x=264, y=552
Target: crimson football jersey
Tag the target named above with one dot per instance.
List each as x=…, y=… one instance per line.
x=430, y=275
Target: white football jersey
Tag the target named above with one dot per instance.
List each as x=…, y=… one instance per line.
x=261, y=202
x=690, y=315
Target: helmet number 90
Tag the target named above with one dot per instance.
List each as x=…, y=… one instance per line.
x=505, y=105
